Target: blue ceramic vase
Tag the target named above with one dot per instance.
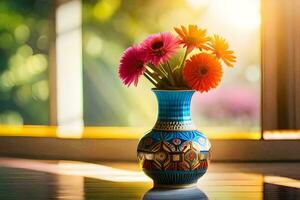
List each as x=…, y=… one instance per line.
x=174, y=153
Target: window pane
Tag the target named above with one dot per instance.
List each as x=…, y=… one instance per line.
x=24, y=61
x=111, y=26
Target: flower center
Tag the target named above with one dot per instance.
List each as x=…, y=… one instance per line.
x=192, y=40
x=140, y=64
x=203, y=71
x=157, y=45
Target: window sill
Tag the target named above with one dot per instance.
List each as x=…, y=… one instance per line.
x=222, y=133
x=115, y=143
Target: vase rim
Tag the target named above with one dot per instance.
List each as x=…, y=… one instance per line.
x=170, y=90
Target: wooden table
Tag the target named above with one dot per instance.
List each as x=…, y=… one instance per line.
x=22, y=179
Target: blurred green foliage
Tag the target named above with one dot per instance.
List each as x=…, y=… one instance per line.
x=24, y=61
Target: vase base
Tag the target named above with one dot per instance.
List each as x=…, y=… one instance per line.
x=174, y=178
x=175, y=186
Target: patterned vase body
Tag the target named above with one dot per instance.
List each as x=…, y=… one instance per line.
x=174, y=153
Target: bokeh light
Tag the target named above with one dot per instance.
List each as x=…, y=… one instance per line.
x=104, y=9
x=24, y=87
x=22, y=33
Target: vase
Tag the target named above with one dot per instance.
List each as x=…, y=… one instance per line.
x=174, y=153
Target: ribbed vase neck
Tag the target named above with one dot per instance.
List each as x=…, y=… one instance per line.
x=174, y=110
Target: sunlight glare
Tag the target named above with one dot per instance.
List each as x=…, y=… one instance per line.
x=197, y=3
x=241, y=14
x=283, y=181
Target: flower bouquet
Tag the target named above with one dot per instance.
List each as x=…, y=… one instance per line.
x=174, y=153
x=201, y=71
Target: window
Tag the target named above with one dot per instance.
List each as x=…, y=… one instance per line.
x=111, y=26
x=86, y=39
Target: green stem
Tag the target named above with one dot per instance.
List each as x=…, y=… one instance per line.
x=160, y=80
x=150, y=79
x=164, y=70
x=171, y=74
x=153, y=75
x=183, y=59
x=157, y=70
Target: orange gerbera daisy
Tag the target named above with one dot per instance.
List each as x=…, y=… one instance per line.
x=202, y=72
x=193, y=37
x=219, y=46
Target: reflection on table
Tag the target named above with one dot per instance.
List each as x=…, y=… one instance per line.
x=22, y=179
x=175, y=194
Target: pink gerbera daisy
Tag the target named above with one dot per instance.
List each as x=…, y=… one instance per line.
x=132, y=65
x=160, y=47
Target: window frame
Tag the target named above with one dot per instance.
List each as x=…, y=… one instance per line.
x=280, y=59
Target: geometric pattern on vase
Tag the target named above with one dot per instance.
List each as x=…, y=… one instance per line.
x=174, y=126
x=167, y=156
x=174, y=152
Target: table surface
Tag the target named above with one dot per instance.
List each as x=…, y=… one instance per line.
x=22, y=179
